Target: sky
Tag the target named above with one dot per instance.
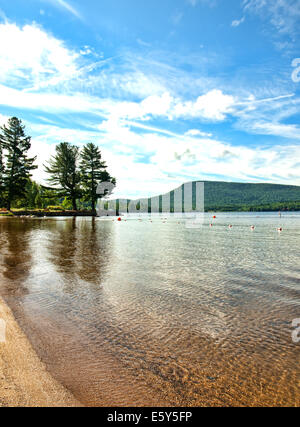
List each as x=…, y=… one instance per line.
x=170, y=90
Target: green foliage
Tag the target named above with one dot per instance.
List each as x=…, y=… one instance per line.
x=18, y=166
x=66, y=204
x=231, y=196
x=38, y=201
x=8, y=213
x=64, y=172
x=73, y=175
x=32, y=191
x=93, y=171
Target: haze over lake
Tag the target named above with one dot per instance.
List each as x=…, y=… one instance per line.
x=154, y=313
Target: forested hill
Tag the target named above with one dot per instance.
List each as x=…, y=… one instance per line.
x=230, y=196
x=239, y=196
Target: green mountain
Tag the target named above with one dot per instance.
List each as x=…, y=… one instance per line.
x=244, y=197
x=223, y=196
x=219, y=196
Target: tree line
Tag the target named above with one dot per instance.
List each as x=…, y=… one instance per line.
x=74, y=174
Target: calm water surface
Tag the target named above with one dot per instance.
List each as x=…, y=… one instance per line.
x=153, y=313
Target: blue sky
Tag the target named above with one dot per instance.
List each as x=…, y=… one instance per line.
x=171, y=90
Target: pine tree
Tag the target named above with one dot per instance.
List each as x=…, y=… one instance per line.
x=1, y=176
x=64, y=172
x=93, y=171
x=18, y=166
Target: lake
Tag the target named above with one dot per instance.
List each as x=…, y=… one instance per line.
x=148, y=313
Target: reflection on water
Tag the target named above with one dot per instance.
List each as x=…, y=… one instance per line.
x=152, y=313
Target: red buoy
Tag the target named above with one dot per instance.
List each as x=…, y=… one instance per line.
x=119, y=219
x=214, y=217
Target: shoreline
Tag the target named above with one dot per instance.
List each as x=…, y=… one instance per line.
x=24, y=379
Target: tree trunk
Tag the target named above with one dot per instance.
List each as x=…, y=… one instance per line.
x=93, y=205
x=74, y=204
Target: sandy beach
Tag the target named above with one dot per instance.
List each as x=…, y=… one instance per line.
x=24, y=380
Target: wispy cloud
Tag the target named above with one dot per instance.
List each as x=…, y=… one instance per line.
x=3, y=17
x=192, y=2
x=177, y=17
x=46, y=75
x=283, y=14
x=237, y=22
x=63, y=4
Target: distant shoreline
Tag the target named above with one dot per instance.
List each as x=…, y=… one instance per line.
x=44, y=213
x=51, y=214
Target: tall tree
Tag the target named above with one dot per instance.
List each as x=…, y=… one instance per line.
x=93, y=171
x=64, y=172
x=18, y=165
x=1, y=176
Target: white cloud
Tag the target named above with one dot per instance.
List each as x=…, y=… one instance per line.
x=86, y=51
x=42, y=74
x=47, y=77
x=172, y=159
x=47, y=102
x=197, y=132
x=237, y=22
x=296, y=71
x=283, y=14
x=214, y=105
x=29, y=57
x=276, y=129
x=3, y=119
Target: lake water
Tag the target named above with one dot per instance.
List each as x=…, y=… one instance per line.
x=154, y=313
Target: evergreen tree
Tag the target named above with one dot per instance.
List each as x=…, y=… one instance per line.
x=93, y=171
x=1, y=177
x=18, y=166
x=32, y=190
x=64, y=172
x=38, y=202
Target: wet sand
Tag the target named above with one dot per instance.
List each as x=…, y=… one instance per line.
x=24, y=380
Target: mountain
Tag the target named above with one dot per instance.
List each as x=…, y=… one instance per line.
x=240, y=196
x=218, y=196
